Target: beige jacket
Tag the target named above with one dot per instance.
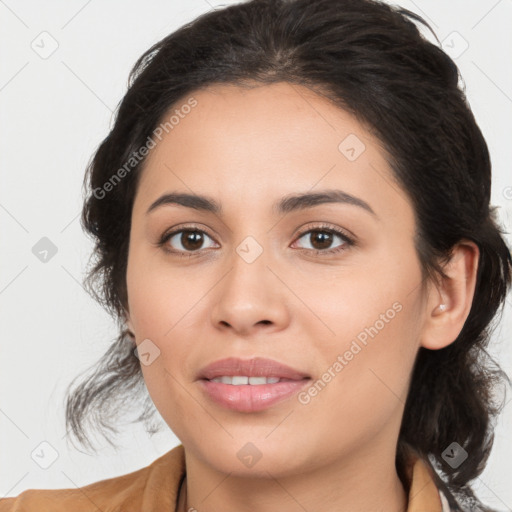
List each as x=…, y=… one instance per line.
x=154, y=488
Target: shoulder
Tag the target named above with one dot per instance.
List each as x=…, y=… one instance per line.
x=135, y=491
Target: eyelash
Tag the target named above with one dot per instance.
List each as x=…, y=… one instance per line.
x=349, y=241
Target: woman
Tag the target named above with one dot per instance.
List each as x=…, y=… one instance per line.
x=292, y=225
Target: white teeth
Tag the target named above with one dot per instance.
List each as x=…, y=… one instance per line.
x=258, y=380
x=238, y=380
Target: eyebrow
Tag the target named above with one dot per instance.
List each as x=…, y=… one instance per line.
x=287, y=204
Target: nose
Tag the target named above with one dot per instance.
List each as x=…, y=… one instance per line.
x=250, y=297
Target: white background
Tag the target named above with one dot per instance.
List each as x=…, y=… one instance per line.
x=55, y=111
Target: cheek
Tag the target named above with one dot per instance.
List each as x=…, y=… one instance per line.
x=159, y=295
x=373, y=305
x=374, y=319
x=162, y=306
x=363, y=389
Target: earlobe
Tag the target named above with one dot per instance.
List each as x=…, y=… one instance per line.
x=439, y=309
x=450, y=302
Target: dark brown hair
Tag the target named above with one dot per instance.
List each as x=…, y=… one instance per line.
x=370, y=59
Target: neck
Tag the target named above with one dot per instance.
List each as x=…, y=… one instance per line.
x=356, y=484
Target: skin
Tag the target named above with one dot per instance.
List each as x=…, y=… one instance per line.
x=248, y=148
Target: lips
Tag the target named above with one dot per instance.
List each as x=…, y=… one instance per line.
x=249, y=398
x=255, y=367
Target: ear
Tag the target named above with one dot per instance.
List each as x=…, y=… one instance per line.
x=443, y=324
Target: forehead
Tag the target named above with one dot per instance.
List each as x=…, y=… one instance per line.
x=256, y=144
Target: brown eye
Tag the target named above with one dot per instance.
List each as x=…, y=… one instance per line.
x=185, y=240
x=321, y=240
x=191, y=240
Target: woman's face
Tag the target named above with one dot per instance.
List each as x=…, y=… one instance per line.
x=259, y=280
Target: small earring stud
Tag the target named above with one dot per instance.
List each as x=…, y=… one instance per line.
x=442, y=307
